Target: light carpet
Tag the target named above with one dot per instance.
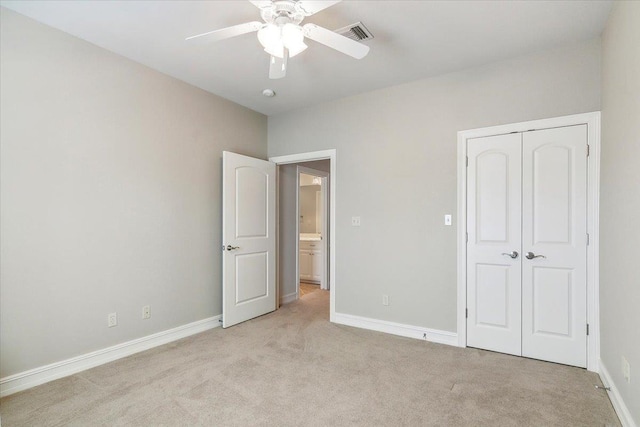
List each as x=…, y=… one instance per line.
x=295, y=368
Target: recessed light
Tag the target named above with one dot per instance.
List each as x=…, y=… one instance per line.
x=269, y=93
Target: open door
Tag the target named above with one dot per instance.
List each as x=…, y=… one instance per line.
x=249, y=238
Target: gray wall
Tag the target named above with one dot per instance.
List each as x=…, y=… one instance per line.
x=110, y=195
x=396, y=168
x=287, y=222
x=620, y=200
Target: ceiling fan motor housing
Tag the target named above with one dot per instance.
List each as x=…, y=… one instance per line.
x=283, y=12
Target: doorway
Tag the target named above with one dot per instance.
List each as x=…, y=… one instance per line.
x=312, y=214
x=543, y=203
x=288, y=240
x=253, y=240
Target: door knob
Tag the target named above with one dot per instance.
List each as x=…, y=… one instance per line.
x=531, y=255
x=513, y=255
x=230, y=248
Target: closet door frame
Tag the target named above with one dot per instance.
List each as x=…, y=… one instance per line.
x=592, y=120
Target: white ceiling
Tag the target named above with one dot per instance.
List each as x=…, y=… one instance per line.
x=413, y=40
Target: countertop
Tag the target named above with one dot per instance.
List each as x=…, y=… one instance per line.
x=310, y=237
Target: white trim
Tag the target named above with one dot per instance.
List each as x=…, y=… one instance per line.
x=303, y=157
x=286, y=299
x=33, y=377
x=592, y=120
x=409, y=331
x=462, y=241
x=332, y=156
x=279, y=297
x=616, y=400
x=593, y=250
x=325, y=285
x=297, y=254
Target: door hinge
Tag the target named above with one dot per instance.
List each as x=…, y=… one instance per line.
x=467, y=161
x=588, y=150
x=588, y=239
x=587, y=329
x=467, y=233
x=466, y=313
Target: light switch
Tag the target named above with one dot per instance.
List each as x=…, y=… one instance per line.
x=447, y=220
x=355, y=221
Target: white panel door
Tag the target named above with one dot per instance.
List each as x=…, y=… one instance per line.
x=493, y=259
x=554, y=235
x=248, y=236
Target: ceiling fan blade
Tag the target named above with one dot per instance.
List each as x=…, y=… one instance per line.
x=314, y=6
x=225, y=33
x=336, y=41
x=260, y=4
x=278, y=66
x=308, y=7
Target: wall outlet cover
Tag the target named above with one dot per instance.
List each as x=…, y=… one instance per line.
x=112, y=320
x=626, y=369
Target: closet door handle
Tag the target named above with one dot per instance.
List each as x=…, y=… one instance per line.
x=531, y=255
x=512, y=255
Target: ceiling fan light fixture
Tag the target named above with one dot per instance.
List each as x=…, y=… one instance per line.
x=293, y=39
x=270, y=36
x=296, y=49
x=275, y=38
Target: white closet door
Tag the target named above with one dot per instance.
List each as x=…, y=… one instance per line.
x=554, y=230
x=494, y=227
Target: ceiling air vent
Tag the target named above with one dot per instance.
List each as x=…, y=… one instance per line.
x=357, y=32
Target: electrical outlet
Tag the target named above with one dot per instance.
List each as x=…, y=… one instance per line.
x=626, y=369
x=112, y=320
x=146, y=312
x=385, y=299
x=355, y=221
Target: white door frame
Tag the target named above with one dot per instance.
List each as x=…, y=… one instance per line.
x=592, y=120
x=323, y=243
x=309, y=157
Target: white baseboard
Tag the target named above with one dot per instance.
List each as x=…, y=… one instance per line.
x=409, y=331
x=285, y=299
x=616, y=400
x=31, y=378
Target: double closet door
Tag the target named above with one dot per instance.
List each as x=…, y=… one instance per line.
x=527, y=244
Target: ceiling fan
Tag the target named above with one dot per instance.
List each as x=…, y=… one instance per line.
x=281, y=34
